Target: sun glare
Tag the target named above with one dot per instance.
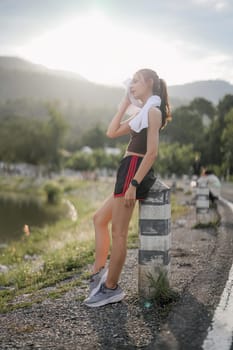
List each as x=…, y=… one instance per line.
x=105, y=51
x=99, y=49
x=86, y=44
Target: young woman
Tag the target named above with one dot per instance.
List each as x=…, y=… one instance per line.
x=134, y=179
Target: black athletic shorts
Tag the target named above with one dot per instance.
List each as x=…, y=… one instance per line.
x=125, y=173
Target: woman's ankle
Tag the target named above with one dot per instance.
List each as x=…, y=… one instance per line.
x=95, y=270
x=110, y=285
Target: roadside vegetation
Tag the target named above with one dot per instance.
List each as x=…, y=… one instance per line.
x=199, y=129
x=56, y=252
x=46, y=256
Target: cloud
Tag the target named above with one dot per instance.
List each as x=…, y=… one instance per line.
x=207, y=22
x=21, y=20
x=217, y=5
x=201, y=30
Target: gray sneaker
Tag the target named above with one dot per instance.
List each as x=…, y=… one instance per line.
x=96, y=280
x=105, y=296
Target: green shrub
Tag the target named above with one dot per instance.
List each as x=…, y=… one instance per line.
x=162, y=293
x=53, y=192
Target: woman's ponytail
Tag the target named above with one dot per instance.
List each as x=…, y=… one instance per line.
x=164, y=107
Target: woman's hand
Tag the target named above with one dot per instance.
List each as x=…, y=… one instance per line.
x=130, y=196
x=125, y=102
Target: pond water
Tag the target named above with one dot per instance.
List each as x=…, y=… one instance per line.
x=17, y=212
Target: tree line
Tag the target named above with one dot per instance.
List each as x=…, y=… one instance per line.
x=199, y=128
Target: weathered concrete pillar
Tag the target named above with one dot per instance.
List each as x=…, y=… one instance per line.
x=155, y=237
x=202, y=203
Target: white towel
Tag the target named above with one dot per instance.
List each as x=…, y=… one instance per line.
x=135, y=106
x=140, y=121
x=140, y=113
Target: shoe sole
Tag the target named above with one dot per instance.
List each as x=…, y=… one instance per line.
x=95, y=290
x=113, y=299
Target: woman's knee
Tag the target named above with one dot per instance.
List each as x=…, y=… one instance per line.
x=96, y=218
x=104, y=214
x=99, y=219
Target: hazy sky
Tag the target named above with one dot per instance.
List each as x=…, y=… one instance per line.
x=107, y=40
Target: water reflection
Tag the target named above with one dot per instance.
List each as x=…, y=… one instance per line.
x=15, y=212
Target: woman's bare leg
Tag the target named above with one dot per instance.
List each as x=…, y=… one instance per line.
x=102, y=239
x=121, y=216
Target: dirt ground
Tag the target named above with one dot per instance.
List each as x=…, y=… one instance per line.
x=200, y=261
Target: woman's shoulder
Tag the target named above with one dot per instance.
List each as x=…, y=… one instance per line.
x=155, y=116
x=155, y=110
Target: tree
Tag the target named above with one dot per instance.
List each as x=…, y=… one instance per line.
x=81, y=161
x=32, y=141
x=203, y=107
x=227, y=142
x=215, y=151
x=224, y=106
x=94, y=138
x=103, y=160
x=22, y=140
x=55, y=130
x=185, y=128
x=174, y=158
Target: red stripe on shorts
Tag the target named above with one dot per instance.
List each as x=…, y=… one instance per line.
x=131, y=172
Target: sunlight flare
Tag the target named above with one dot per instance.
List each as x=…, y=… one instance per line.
x=108, y=52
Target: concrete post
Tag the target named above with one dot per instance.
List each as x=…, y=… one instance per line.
x=202, y=203
x=173, y=186
x=155, y=237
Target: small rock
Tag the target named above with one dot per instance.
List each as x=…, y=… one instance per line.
x=4, y=269
x=181, y=222
x=6, y=288
x=31, y=257
x=3, y=245
x=38, y=267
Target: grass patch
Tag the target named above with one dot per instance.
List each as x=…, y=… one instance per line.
x=200, y=225
x=57, y=266
x=177, y=210
x=56, y=252
x=22, y=185
x=161, y=300
x=162, y=293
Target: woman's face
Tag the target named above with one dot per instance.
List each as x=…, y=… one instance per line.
x=138, y=87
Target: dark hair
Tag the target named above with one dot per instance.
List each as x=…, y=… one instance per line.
x=159, y=88
x=209, y=172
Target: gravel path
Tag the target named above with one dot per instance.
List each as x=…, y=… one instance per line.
x=66, y=323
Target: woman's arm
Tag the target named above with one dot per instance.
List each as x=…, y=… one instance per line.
x=117, y=127
x=155, y=121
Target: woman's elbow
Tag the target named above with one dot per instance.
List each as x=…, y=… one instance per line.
x=152, y=155
x=110, y=134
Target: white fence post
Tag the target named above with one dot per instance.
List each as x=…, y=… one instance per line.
x=155, y=237
x=202, y=203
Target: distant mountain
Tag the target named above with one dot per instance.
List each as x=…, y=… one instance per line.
x=22, y=79
x=19, y=64
x=15, y=63
x=212, y=90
